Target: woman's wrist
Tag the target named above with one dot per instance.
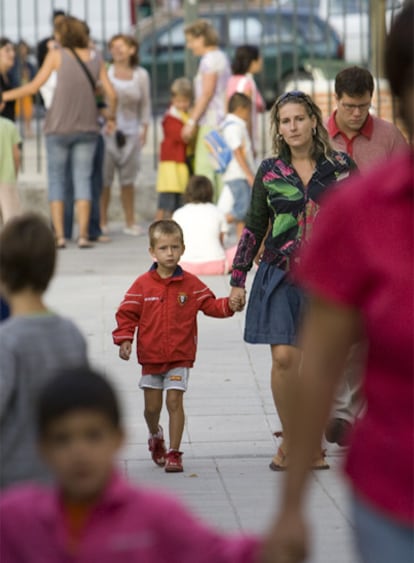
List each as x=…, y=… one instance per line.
x=191, y=122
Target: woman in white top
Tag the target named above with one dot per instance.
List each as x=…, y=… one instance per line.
x=204, y=227
x=210, y=91
x=122, y=149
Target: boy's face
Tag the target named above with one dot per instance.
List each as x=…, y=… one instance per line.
x=244, y=113
x=80, y=448
x=182, y=103
x=167, y=252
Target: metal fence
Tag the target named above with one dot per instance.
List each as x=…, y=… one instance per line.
x=303, y=43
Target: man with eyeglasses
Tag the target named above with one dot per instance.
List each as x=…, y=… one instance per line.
x=365, y=137
x=368, y=140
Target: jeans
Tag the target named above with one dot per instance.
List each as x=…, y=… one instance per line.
x=75, y=151
x=379, y=538
x=96, y=190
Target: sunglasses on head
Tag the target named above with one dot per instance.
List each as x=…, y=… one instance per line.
x=292, y=94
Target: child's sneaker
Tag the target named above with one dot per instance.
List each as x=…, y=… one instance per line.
x=173, y=462
x=156, y=446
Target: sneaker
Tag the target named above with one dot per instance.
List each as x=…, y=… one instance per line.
x=156, y=446
x=338, y=431
x=173, y=463
x=134, y=230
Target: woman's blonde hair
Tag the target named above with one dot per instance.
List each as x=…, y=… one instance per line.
x=182, y=87
x=203, y=28
x=321, y=142
x=73, y=33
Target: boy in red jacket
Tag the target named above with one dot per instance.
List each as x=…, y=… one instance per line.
x=163, y=305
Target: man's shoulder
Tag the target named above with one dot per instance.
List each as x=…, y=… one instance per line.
x=383, y=127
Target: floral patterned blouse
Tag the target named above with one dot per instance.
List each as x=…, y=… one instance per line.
x=283, y=205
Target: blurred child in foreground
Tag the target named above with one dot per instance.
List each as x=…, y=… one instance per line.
x=94, y=514
x=34, y=342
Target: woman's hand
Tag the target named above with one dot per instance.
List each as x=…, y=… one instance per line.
x=237, y=298
x=187, y=132
x=287, y=540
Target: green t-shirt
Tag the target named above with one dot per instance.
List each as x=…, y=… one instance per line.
x=9, y=137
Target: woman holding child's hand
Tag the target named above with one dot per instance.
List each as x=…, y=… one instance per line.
x=284, y=204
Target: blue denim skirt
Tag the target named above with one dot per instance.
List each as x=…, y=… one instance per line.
x=275, y=308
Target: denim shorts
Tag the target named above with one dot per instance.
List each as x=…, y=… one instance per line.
x=380, y=538
x=170, y=201
x=76, y=151
x=241, y=193
x=175, y=378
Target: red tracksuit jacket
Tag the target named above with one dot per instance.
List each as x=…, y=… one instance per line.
x=165, y=313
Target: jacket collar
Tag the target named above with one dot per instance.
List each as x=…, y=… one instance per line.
x=116, y=493
x=178, y=273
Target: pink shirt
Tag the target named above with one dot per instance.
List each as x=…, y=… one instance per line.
x=378, y=139
x=361, y=255
x=129, y=525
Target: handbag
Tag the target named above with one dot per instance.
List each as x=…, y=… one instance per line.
x=219, y=151
x=100, y=103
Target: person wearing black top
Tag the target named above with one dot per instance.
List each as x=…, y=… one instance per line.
x=7, y=57
x=43, y=45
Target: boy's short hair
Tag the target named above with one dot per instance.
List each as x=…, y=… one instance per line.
x=76, y=389
x=164, y=227
x=27, y=254
x=239, y=100
x=354, y=82
x=182, y=87
x=199, y=190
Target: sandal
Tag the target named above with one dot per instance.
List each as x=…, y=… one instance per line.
x=279, y=462
x=60, y=242
x=84, y=243
x=320, y=463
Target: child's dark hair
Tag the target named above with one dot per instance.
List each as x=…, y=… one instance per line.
x=243, y=58
x=354, y=82
x=27, y=254
x=164, y=227
x=199, y=190
x=239, y=100
x=76, y=389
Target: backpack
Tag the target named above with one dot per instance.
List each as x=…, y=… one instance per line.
x=220, y=152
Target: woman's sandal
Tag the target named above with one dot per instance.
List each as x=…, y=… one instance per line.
x=279, y=462
x=320, y=463
x=60, y=242
x=84, y=243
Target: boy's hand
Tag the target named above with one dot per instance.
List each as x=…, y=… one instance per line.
x=125, y=350
x=237, y=299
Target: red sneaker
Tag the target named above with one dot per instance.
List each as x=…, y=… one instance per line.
x=173, y=462
x=156, y=446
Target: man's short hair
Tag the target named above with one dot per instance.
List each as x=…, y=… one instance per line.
x=354, y=82
x=164, y=227
x=239, y=100
x=76, y=389
x=27, y=254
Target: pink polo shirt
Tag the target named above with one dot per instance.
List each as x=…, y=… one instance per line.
x=127, y=525
x=376, y=140
x=361, y=255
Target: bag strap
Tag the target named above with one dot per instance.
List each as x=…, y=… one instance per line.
x=85, y=69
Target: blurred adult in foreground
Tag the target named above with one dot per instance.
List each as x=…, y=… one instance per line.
x=359, y=270
x=210, y=92
x=286, y=195
x=71, y=124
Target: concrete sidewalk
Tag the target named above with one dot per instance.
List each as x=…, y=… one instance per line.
x=228, y=441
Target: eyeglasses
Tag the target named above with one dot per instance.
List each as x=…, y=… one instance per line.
x=350, y=108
